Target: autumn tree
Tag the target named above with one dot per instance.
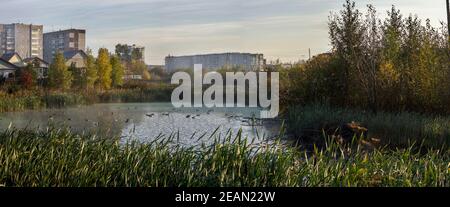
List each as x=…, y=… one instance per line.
x=140, y=68
x=104, y=69
x=27, y=76
x=392, y=30
x=368, y=70
x=117, y=71
x=91, y=71
x=59, y=76
x=397, y=64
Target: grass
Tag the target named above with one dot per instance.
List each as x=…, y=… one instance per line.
x=30, y=100
x=160, y=94
x=396, y=129
x=57, y=157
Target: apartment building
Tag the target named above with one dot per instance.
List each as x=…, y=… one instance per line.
x=24, y=39
x=63, y=41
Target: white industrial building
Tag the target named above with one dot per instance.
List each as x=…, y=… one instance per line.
x=244, y=61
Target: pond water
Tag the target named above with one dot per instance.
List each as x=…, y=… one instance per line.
x=146, y=121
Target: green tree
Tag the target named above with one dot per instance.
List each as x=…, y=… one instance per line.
x=347, y=37
x=59, y=76
x=136, y=54
x=91, y=71
x=391, y=67
x=123, y=52
x=117, y=71
x=104, y=69
x=79, y=76
x=139, y=68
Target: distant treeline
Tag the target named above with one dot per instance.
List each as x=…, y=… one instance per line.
x=396, y=64
x=107, y=71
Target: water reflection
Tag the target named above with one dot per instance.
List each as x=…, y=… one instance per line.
x=146, y=121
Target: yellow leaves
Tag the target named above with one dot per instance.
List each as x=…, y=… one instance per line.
x=388, y=73
x=104, y=68
x=146, y=75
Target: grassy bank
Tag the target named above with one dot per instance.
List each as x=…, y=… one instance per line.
x=60, y=158
x=29, y=100
x=397, y=129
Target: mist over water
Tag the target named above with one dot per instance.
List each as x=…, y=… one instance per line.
x=144, y=122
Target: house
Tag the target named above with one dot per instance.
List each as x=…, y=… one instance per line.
x=132, y=77
x=76, y=61
x=14, y=58
x=7, y=70
x=39, y=65
x=75, y=58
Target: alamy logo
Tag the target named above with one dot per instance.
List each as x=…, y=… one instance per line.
x=235, y=90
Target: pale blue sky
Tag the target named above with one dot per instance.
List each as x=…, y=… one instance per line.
x=283, y=29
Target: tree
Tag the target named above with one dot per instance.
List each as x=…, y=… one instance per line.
x=79, y=76
x=397, y=65
x=117, y=71
x=368, y=71
x=27, y=77
x=128, y=53
x=146, y=75
x=104, y=68
x=136, y=54
x=390, y=66
x=347, y=37
x=123, y=52
x=91, y=71
x=58, y=75
x=140, y=68
x=158, y=73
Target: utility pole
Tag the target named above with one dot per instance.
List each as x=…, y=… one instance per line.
x=448, y=17
x=309, y=52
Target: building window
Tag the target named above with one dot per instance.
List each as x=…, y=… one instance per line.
x=71, y=35
x=71, y=44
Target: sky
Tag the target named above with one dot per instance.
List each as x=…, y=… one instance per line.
x=280, y=29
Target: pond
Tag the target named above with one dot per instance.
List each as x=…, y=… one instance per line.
x=146, y=121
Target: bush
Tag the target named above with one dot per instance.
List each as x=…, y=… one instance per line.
x=397, y=129
x=398, y=65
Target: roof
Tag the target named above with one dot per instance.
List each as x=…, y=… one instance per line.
x=7, y=64
x=213, y=54
x=9, y=56
x=67, y=30
x=31, y=59
x=70, y=54
x=72, y=60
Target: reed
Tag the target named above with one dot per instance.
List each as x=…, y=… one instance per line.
x=396, y=129
x=29, y=100
x=58, y=157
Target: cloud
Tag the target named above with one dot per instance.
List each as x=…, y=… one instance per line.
x=278, y=28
